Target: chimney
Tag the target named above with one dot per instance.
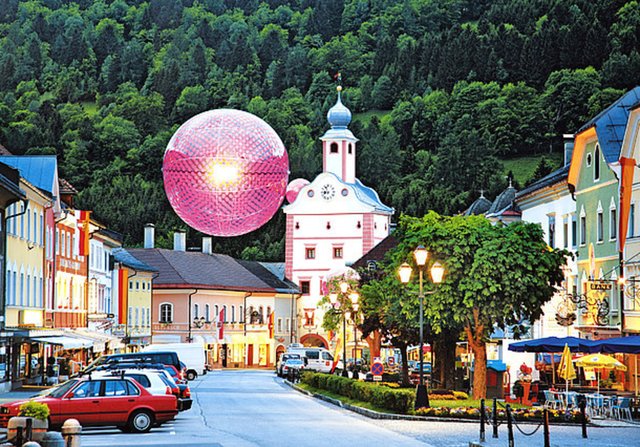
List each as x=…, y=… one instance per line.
x=180, y=240
x=206, y=245
x=149, y=235
x=568, y=147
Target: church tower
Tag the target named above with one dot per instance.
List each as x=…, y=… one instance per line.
x=339, y=144
x=331, y=222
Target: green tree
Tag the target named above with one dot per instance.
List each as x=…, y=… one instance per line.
x=496, y=276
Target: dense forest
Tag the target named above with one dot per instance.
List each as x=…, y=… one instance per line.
x=452, y=87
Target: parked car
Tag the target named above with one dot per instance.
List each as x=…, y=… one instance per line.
x=283, y=358
x=164, y=357
x=292, y=364
x=154, y=377
x=94, y=401
x=426, y=367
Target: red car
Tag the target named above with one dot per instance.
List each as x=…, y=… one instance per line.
x=118, y=401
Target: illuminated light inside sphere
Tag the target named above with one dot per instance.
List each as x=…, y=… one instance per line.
x=225, y=172
x=294, y=188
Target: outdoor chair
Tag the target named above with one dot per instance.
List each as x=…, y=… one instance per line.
x=622, y=408
x=595, y=405
x=551, y=400
x=572, y=399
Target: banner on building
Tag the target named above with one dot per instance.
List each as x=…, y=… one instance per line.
x=220, y=325
x=271, y=328
x=83, y=226
x=123, y=295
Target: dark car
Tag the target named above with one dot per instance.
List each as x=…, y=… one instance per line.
x=118, y=401
x=164, y=357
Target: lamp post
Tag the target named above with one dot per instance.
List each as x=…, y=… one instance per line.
x=437, y=271
x=348, y=301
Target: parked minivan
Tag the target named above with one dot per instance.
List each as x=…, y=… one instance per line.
x=192, y=354
x=316, y=359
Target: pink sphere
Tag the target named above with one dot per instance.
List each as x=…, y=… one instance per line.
x=225, y=172
x=294, y=187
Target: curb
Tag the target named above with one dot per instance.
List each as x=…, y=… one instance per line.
x=377, y=415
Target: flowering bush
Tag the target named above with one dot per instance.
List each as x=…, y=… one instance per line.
x=519, y=414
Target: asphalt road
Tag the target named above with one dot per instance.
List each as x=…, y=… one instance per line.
x=253, y=408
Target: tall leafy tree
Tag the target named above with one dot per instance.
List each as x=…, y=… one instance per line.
x=496, y=276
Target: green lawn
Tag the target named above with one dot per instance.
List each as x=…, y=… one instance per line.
x=524, y=167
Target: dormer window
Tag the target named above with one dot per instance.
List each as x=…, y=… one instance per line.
x=333, y=148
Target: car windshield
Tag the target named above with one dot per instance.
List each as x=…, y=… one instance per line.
x=294, y=362
x=62, y=389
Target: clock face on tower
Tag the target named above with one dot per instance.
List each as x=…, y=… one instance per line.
x=327, y=192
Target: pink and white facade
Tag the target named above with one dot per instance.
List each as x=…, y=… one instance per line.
x=331, y=222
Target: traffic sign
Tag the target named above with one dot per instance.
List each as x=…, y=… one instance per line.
x=377, y=369
x=377, y=378
x=391, y=361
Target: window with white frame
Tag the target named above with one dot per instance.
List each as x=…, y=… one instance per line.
x=207, y=312
x=600, y=226
x=166, y=313
x=565, y=232
x=632, y=220
x=552, y=230
x=583, y=229
x=224, y=313
x=196, y=311
x=279, y=324
x=613, y=225
x=233, y=314
x=596, y=163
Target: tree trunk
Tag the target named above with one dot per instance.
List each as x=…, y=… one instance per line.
x=444, y=356
x=405, y=366
x=374, y=341
x=475, y=337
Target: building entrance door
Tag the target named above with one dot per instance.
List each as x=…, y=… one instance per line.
x=250, y=355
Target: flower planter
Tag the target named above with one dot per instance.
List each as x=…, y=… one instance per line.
x=38, y=428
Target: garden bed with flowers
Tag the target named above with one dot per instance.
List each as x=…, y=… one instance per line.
x=519, y=414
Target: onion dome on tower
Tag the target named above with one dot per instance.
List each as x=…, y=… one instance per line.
x=339, y=116
x=339, y=144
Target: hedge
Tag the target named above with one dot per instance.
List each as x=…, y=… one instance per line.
x=396, y=400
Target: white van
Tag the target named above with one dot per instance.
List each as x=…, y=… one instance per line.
x=316, y=359
x=191, y=354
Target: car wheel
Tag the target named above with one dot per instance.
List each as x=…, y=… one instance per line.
x=191, y=375
x=141, y=421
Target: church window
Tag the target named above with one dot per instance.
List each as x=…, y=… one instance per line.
x=305, y=287
x=334, y=148
x=310, y=253
x=583, y=230
x=350, y=148
x=310, y=193
x=337, y=252
x=589, y=159
x=345, y=192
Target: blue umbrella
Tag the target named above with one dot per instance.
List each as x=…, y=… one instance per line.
x=553, y=344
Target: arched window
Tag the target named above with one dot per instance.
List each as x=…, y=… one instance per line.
x=334, y=148
x=166, y=313
x=216, y=311
x=207, y=313
x=350, y=148
x=233, y=314
x=260, y=314
x=224, y=313
x=241, y=314
x=196, y=311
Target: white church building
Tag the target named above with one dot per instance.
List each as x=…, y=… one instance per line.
x=331, y=222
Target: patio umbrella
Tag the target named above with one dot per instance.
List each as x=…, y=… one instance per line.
x=566, y=369
x=600, y=361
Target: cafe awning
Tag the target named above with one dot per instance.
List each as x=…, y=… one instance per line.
x=66, y=342
x=618, y=345
x=553, y=344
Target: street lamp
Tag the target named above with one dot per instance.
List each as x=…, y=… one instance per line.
x=437, y=272
x=344, y=303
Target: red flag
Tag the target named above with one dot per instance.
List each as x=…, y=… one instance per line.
x=271, y=328
x=83, y=224
x=221, y=324
x=626, y=185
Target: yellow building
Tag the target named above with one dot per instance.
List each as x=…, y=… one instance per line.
x=132, y=292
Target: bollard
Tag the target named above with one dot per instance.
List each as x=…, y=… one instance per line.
x=583, y=411
x=71, y=430
x=28, y=429
x=31, y=444
x=545, y=420
x=52, y=439
x=19, y=436
x=509, y=426
x=482, y=416
x=495, y=418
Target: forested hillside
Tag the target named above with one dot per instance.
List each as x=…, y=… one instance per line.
x=104, y=84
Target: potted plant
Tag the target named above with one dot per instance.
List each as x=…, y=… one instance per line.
x=38, y=413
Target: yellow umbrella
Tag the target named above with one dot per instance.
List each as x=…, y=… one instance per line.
x=600, y=361
x=566, y=369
